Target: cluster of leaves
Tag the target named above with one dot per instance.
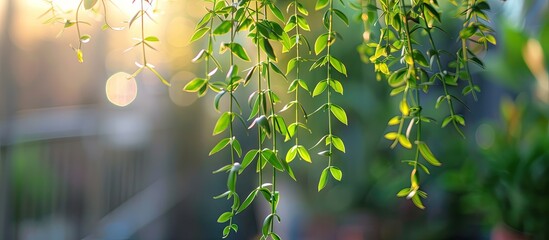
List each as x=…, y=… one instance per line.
x=405, y=29
x=252, y=18
x=397, y=55
x=145, y=42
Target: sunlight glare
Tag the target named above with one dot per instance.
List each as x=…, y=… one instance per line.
x=121, y=89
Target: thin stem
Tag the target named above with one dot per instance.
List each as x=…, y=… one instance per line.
x=464, y=51
x=439, y=65
x=143, y=33
x=296, y=134
x=231, y=87
x=416, y=99
x=77, y=17
x=328, y=73
x=260, y=93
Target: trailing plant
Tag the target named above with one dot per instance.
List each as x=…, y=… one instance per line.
x=398, y=56
x=399, y=40
x=324, y=42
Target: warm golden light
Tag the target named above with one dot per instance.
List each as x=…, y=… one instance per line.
x=121, y=89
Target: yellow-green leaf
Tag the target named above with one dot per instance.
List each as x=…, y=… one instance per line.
x=404, y=109
x=394, y=121
x=427, y=154
x=323, y=179
x=303, y=153
x=336, y=173
x=404, y=141
x=79, y=55
x=88, y=4
x=391, y=136
x=320, y=4
x=339, y=113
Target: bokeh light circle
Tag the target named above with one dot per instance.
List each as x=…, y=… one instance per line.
x=121, y=89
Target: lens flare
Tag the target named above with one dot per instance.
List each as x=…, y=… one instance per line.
x=121, y=89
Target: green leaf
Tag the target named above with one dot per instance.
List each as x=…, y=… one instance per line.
x=249, y=199
x=427, y=154
x=248, y=158
x=338, y=65
x=276, y=11
x=220, y=145
x=336, y=85
x=137, y=15
x=303, y=153
x=417, y=201
x=491, y=39
x=85, y=38
x=262, y=123
x=223, y=28
x=404, y=192
x=320, y=4
x=277, y=70
x=205, y=19
x=151, y=39
x=224, y=217
x=302, y=9
x=336, y=173
x=236, y=49
x=291, y=65
x=302, y=23
x=459, y=119
x=274, y=236
x=267, y=48
x=291, y=154
x=236, y=146
x=319, y=88
x=88, y=4
x=231, y=180
x=468, y=32
x=447, y=120
x=420, y=59
x=225, y=194
x=432, y=11
x=199, y=33
x=319, y=62
x=339, y=113
x=338, y=143
x=223, y=123
x=321, y=43
x=195, y=85
x=267, y=224
x=272, y=159
x=223, y=169
x=291, y=23
x=226, y=231
x=323, y=179
x=341, y=16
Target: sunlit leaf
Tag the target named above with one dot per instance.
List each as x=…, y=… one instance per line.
x=336, y=173
x=323, y=179
x=220, y=146
x=223, y=123
x=199, y=33
x=427, y=154
x=405, y=142
x=339, y=113
x=88, y=4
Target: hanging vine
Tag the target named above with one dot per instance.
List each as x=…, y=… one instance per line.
x=396, y=34
x=405, y=26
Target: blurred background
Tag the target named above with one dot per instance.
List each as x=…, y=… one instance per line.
x=75, y=166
